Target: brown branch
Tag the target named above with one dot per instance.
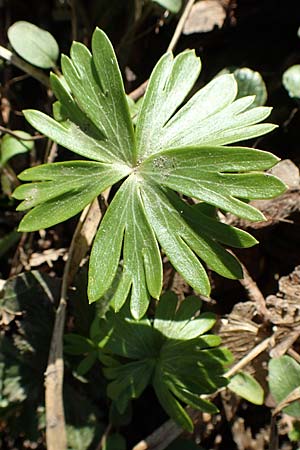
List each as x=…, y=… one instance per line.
x=15, y=135
x=25, y=66
x=55, y=420
x=254, y=293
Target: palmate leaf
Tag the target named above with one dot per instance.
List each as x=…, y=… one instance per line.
x=172, y=353
x=170, y=149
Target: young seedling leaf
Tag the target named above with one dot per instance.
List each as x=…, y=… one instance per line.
x=247, y=387
x=291, y=81
x=35, y=45
x=249, y=82
x=171, y=353
x=172, y=148
x=11, y=146
x=284, y=376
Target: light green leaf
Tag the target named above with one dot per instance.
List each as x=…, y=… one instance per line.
x=142, y=271
x=249, y=82
x=96, y=83
x=61, y=190
x=291, y=81
x=284, y=376
x=247, y=387
x=35, y=45
x=11, y=146
x=172, y=148
x=181, y=324
x=169, y=84
x=211, y=117
x=294, y=433
x=172, y=5
x=196, y=173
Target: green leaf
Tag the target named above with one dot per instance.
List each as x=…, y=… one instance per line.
x=9, y=241
x=77, y=345
x=83, y=425
x=201, y=173
x=171, y=353
x=114, y=442
x=294, y=433
x=247, y=387
x=11, y=146
x=87, y=363
x=33, y=44
x=96, y=83
x=172, y=5
x=291, y=81
x=169, y=84
x=130, y=381
x=210, y=117
x=249, y=82
x=180, y=323
x=201, y=223
x=172, y=148
x=142, y=271
x=61, y=190
x=27, y=304
x=284, y=376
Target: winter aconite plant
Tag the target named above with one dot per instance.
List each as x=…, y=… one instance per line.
x=171, y=352
x=170, y=149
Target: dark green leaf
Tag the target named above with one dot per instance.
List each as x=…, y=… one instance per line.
x=8, y=241
x=77, y=345
x=114, y=442
x=142, y=272
x=171, y=353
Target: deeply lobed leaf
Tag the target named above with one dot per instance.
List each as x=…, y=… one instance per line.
x=173, y=148
x=172, y=354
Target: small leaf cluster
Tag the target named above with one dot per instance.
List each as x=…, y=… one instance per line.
x=170, y=148
x=172, y=352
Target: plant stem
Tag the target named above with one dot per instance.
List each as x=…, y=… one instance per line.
x=15, y=135
x=55, y=419
x=180, y=25
x=140, y=90
x=25, y=66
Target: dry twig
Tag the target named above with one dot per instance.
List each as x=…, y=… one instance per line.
x=55, y=419
x=23, y=65
x=140, y=90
